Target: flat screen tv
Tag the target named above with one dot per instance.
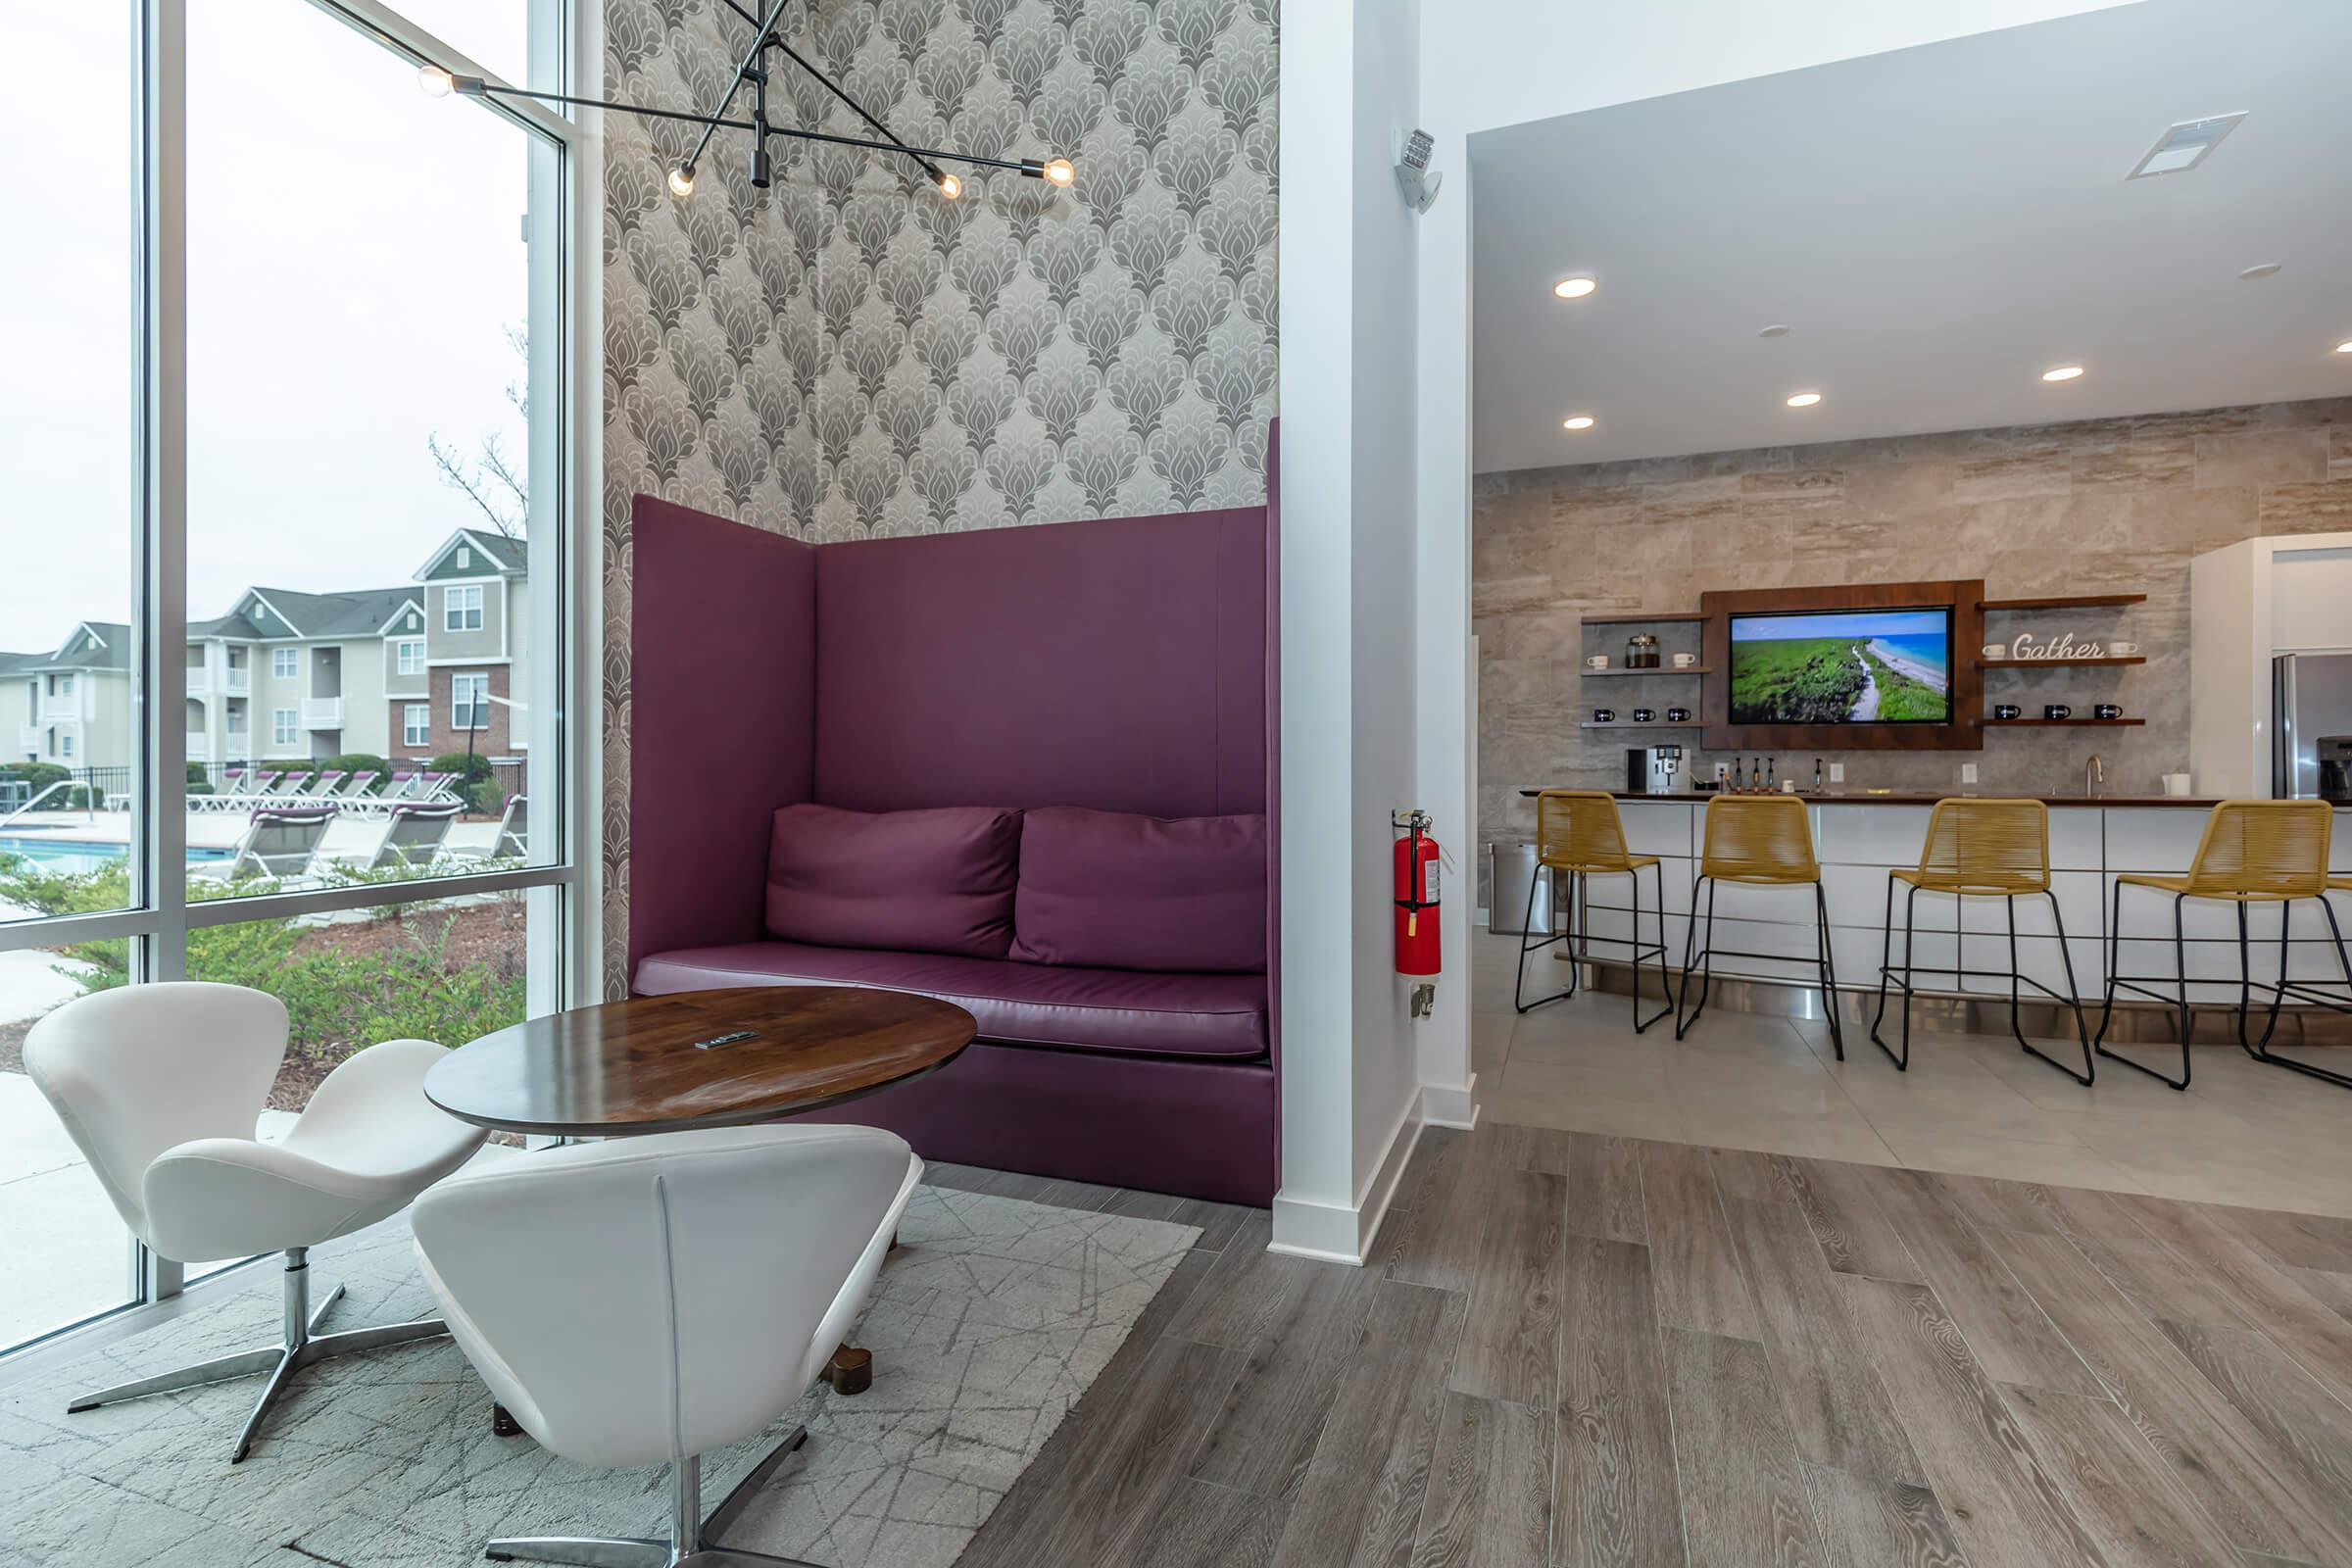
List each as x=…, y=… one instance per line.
x=1842, y=667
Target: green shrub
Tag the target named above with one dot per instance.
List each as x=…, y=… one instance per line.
x=356, y=762
x=471, y=769
x=41, y=775
x=200, y=779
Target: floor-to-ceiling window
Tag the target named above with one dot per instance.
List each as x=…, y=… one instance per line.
x=286, y=576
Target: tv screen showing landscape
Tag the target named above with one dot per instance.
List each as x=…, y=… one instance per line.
x=1845, y=667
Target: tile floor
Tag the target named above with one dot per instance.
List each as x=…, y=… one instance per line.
x=2242, y=1134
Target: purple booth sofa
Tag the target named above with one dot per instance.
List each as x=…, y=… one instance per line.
x=1028, y=770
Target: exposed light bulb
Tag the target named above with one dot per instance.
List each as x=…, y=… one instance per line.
x=435, y=83
x=1059, y=171
x=1574, y=288
x=681, y=180
x=2062, y=373
x=1805, y=400
x=1577, y=422
x=949, y=185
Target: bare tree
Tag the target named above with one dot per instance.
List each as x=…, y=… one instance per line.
x=488, y=479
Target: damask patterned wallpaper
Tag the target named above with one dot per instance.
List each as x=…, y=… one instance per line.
x=847, y=354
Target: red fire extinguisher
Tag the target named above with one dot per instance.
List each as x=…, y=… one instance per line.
x=1416, y=897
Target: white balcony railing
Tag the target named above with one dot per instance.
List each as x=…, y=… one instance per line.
x=200, y=681
x=60, y=709
x=199, y=749
x=323, y=712
x=29, y=738
x=238, y=682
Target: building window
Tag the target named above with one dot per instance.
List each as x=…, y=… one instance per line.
x=282, y=663
x=64, y=685
x=415, y=723
x=410, y=655
x=464, y=557
x=470, y=702
x=462, y=609
x=282, y=730
x=64, y=746
x=236, y=721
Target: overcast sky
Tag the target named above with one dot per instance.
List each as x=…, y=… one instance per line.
x=355, y=257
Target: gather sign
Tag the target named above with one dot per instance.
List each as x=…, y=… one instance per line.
x=2062, y=647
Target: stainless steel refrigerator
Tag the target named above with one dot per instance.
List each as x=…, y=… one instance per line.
x=2311, y=726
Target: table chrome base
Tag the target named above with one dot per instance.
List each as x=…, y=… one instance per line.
x=303, y=1346
x=693, y=1537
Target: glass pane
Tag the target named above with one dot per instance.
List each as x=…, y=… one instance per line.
x=68, y=443
x=360, y=586
x=449, y=970
x=69, y=425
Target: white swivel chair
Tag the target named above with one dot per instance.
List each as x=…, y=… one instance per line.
x=654, y=1298
x=161, y=1085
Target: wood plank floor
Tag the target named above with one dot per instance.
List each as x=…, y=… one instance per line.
x=1573, y=1351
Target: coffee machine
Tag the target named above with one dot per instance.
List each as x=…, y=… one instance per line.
x=1650, y=769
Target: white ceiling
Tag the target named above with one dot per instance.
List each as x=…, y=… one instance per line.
x=1936, y=227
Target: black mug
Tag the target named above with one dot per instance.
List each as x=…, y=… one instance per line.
x=2107, y=710
x=1604, y=716
x=1678, y=715
x=2057, y=711
x=1645, y=716
x=2007, y=710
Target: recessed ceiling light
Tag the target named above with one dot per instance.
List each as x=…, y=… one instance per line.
x=1773, y=331
x=1574, y=288
x=1805, y=400
x=2062, y=373
x=2260, y=270
x=1577, y=422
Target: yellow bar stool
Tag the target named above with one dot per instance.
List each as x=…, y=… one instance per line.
x=1982, y=849
x=2252, y=851
x=1579, y=833
x=1756, y=841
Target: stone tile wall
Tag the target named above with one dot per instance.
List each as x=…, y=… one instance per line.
x=2108, y=506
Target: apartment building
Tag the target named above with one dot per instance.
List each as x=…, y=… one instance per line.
x=402, y=673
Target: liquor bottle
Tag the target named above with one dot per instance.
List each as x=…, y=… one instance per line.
x=1817, y=775
x=1738, y=774
x=1769, y=785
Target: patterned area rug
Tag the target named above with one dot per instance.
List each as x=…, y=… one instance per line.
x=986, y=1326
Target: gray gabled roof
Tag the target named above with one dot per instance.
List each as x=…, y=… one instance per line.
x=504, y=557
x=361, y=612
x=228, y=626
x=92, y=644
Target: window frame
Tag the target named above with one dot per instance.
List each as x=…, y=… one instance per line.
x=402, y=662
x=561, y=224
x=475, y=705
x=461, y=607
x=417, y=723
x=285, y=663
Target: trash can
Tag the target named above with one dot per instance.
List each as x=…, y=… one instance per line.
x=1510, y=867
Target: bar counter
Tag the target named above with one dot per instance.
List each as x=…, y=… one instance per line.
x=1860, y=837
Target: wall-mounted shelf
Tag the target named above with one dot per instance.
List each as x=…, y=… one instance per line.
x=2045, y=663
x=1662, y=670
x=2072, y=601
x=2013, y=723
x=1652, y=618
x=1621, y=724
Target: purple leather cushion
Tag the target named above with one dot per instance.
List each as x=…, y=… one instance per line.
x=1112, y=1011
x=939, y=880
x=1111, y=890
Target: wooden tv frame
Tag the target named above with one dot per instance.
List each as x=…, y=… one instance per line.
x=1965, y=732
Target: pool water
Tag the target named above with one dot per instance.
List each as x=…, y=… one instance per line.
x=76, y=856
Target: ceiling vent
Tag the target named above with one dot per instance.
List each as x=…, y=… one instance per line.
x=2184, y=146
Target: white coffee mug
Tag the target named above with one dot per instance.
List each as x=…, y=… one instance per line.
x=1597, y=662
x=2123, y=650
x=2176, y=783
x=1685, y=661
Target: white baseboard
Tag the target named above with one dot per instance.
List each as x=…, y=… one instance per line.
x=1450, y=1105
x=1335, y=1233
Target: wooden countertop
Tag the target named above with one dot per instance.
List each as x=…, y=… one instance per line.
x=2194, y=803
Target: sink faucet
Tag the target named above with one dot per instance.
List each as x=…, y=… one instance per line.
x=2094, y=774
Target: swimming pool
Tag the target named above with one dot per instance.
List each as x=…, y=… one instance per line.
x=76, y=856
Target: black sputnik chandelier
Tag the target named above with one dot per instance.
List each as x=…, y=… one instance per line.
x=439, y=84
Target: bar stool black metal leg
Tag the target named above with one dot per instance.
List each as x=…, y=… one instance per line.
x=1529, y=944
x=1885, y=960
x=2262, y=1053
x=2074, y=999
x=1829, y=970
x=2016, y=1024
x=1707, y=958
x=2115, y=980
x=2245, y=977
x=1902, y=1063
x=1527, y=929
x=1668, y=1006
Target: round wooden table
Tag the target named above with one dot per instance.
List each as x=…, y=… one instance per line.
x=699, y=1058
x=695, y=1058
